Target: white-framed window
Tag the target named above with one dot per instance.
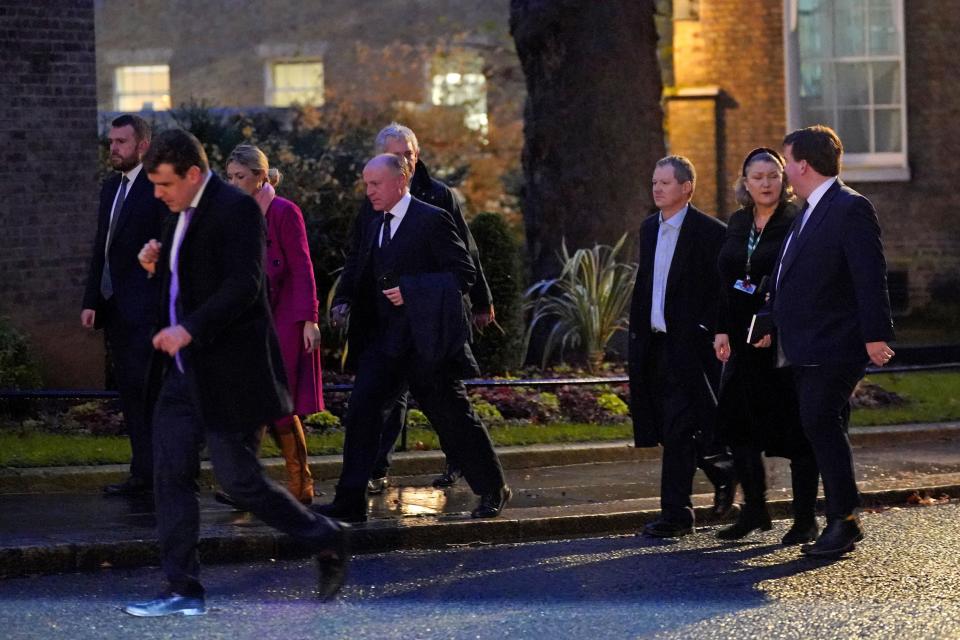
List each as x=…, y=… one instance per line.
x=294, y=82
x=458, y=81
x=142, y=88
x=846, y=69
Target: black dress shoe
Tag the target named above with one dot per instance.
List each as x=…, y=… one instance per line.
x=723, y=496
x=332, y=558
x=339, y=511
x=171, y=604
x=801, y=533
x=349, y=505
x=225, y=498
x=491, y=504
x=132, y=486
x=448, y=478
x=376, y=486
x=667, y=529
x=750, y=519
x=839, y=537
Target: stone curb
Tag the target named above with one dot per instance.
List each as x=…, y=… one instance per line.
x=412, y=463
x=385, y=535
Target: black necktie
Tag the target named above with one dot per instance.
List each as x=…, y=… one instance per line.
x=385, y=234
x=106, y=283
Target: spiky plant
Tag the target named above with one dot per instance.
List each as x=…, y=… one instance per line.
x=587, y=303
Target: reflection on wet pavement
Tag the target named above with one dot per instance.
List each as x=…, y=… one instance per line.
x=411, y=500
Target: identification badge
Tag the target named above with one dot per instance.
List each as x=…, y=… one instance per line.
x=745, y=285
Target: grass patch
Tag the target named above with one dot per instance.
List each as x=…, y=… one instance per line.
x=932, y=397
x=28, y=449
x=38, y=449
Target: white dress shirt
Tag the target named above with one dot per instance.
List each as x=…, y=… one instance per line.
x=667, y=236
x=181, y=222
x=131, y=176
x=398, y=210
x=815, y=197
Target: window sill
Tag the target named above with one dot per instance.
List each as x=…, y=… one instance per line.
x=867, y=173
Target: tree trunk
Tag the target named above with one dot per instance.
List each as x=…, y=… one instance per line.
x=593, y=123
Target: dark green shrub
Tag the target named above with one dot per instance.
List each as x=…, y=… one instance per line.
x=19, y=368
x=499, y=350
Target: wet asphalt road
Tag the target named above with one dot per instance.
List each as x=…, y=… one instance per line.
x=903, y=582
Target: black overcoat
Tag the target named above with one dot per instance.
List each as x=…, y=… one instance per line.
x=234, y=361
x=690, y=309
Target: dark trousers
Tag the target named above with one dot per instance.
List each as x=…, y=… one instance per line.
x=392, y=426
x=824, y=395
x=179, y=434
x=804, y=478
x=381, y=380
x=684, y=446
x=130, y=348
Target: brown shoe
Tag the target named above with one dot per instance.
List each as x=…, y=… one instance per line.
x=293, y=446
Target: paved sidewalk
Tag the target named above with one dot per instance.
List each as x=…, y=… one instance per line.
x=46, y=532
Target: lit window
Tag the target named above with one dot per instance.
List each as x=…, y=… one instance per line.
x=847, y=62
x=291, y=83
x=465, y=89
x=142, y=88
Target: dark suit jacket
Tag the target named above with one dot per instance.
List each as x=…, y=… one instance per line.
x=432, y=192
x=438, y=326
x=832, y=297
x=690, y=309
x=425, y=242
x=136, y=296
x=234, y=359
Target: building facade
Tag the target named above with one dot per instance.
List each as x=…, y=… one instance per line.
x=227, y=53
x=48, y=182
x=880, y=72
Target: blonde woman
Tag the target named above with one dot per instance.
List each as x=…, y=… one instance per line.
x=293, y=301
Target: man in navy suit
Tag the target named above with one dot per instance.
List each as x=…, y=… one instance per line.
x=403, y=287
x=831, y=309
x=119, y=297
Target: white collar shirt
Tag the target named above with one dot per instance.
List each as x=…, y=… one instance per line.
x=667, y=236
x=815, y=197
x=182, y=222
x=398, y=211
x=131, y=176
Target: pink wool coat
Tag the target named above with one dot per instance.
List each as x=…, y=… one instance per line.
x=293, y=298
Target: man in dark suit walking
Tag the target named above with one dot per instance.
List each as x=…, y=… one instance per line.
x=217, y=374
x=400, y=140
x=673, y=374
x=831, y=309
x=119, y=297
x=408, y=328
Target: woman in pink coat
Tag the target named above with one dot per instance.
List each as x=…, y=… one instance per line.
x=293, y=300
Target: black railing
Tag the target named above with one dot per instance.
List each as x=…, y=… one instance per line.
x=95, y=394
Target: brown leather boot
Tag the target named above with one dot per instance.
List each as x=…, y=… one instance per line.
x=293, y=446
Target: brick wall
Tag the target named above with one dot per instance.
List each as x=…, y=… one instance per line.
x=696, y=138
x=740, y=50
x=48, y=187
x=921, y=218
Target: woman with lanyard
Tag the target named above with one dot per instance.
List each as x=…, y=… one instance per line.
x=758, y=406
